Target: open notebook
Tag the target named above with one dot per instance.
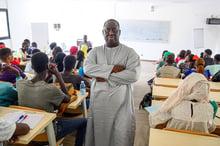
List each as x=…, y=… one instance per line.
x=31, y=119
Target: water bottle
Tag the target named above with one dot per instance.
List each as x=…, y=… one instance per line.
x=82, y=88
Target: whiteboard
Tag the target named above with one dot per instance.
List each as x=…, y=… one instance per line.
x=145, y=30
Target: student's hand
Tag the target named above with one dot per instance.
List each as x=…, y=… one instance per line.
x=100, y=79
x=53, y=69
x=117, y=68
x=13, y=140
x=11, y=69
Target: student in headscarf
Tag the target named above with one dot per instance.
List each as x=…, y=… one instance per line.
x=73, y=51
x=187, y=108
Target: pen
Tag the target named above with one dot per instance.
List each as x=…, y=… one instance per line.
x=23, y=118
x=20, y=118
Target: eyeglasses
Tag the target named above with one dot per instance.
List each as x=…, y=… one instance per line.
x=114, y=30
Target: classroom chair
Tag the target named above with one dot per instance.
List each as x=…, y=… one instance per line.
x=42, y=137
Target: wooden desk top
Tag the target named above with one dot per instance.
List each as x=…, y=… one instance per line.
x=78, y=101
x=174, y=82
x=45, y=121
x=160, y=137
x=162, y=93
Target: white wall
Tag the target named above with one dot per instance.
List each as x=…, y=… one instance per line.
x=87, y=17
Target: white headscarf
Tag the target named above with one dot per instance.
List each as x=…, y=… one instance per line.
x=185, y=92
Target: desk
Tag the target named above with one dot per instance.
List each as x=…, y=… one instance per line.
x=80, y=99
x=46, y=122
x=162, y=93
x=217, y=120
x=167, y=82
x=174, y=82
x=160, y=137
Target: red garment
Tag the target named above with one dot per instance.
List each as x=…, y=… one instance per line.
x=178, y=59
x=73, y=50
x=16, y=61
x=2, y=46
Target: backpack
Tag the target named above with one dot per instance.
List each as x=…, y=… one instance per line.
x=216, y=77
x=146, y=101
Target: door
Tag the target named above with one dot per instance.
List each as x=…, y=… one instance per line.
x=40, y=35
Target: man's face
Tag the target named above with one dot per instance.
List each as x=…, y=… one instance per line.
x=111, y=33
x=25, y=47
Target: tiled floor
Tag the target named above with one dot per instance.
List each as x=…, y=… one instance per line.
x=140, y=88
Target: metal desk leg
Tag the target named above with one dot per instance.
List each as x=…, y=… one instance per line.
x=51, y=134
x=84, y=109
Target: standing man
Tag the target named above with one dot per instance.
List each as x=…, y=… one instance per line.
x=85, y=45
x=113, y=67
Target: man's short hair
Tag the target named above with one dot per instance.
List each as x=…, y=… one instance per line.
x=217, y=57
x=24, y=43
x=170, y=58
x=35, y=51
x=85, y=36
x=27, y=41
x=208, y=51
x=4, y=53
x=34, y=44
x=112, y=20
x=39, y=62
x=69, y=62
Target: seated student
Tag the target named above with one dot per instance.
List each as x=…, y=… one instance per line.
x=9, y=130
x=2, y=45
x=6, y=57
x=73, y=51
x=69, y=77
x=213, y=69
x=56, y=50
x=161, y=63
x=186, y=64
x=187, y=108
x=192, y=67
x=168, y=70
x=52, y=45
x=198, y=67
x=8, y=94
x=59, y=60
x=181, y=56
x=207, y=57
x=37, y=93
x=32, y=47
x=79, y=59
x=28, y=67
x=22, y=53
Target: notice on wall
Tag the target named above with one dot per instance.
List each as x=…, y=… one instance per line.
x=145, y=30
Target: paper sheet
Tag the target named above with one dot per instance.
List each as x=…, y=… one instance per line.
x=152, y=108
x=32, y=119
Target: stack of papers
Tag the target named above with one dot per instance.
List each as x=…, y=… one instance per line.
x=31, y=119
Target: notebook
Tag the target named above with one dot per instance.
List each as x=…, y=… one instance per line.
x=32, y=119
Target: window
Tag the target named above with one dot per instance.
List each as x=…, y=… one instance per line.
x=4, y=29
